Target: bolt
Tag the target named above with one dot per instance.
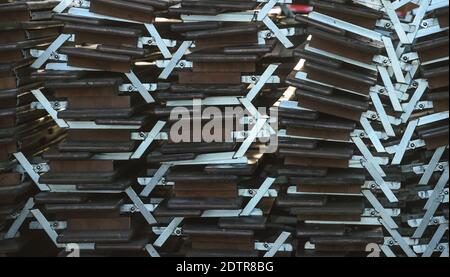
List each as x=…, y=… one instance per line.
x=362, y=134
x=421, y=106
x=130, y=88
x=254, y=78
x=425, y=24
x=182, y=64
x=56, y=57
x=373, y=213
x=373, y=185
x=386, y=61
x=391, y=242
x=374, y=116
x=446, y=192
x=441, y=167
x=413, y=145
x=405, y=58
x=415, y=84
x=441, y=248
x=133, y=209
x=251, y=192
x=435, y=221
x=269, y=35
x=266, y=245
x=388, y=25
x=55, y=224
x=381, y=90
x=142, y=135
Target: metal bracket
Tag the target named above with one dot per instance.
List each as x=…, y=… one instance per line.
x=168, y=231
x=140, y=87
x=141, y=206
x=432, y=204
x=148, y=140
x=155, y=179
x=47, y=228
x=50, y=50
x=262, y=81
x=258, y=196
x=14, y=229
x=434, y=242
x=277, y=244
x=29, y=169
x=175, y=59
x=432, y=165
x=161, y=44
x=49, y=108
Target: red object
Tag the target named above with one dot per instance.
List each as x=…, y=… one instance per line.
x=300, y=8
x=308, y=9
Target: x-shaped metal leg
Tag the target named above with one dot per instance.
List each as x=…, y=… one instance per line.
x=277, y=244
x=12, y=232
x=258, y=196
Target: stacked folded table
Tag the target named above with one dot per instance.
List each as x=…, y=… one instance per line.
x=24, y=130
x=216, y=200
